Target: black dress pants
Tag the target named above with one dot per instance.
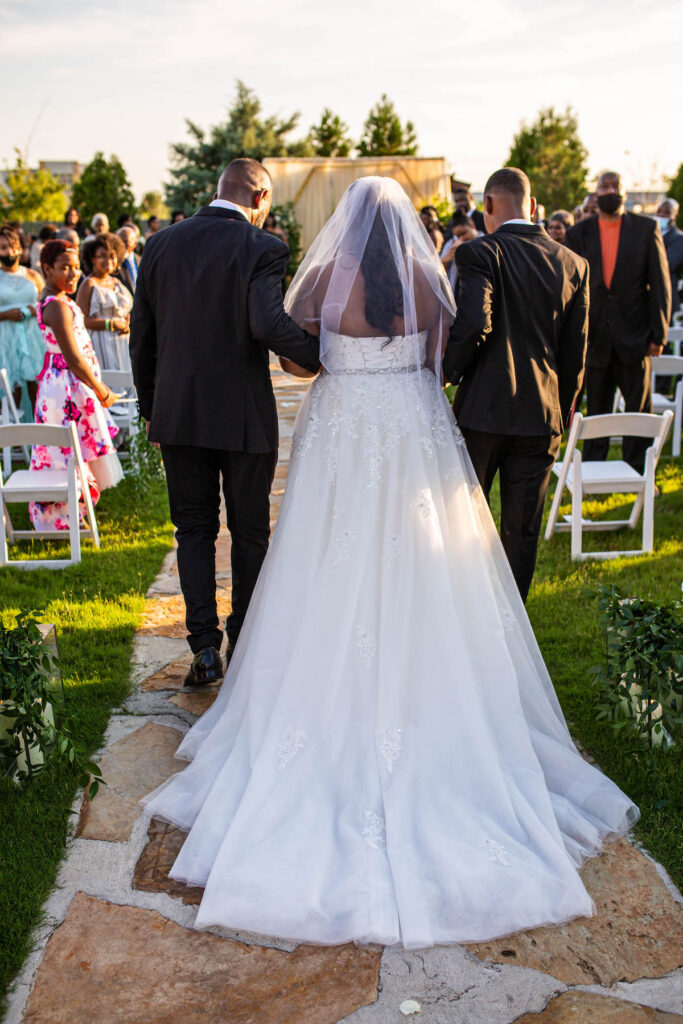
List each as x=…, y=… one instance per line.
x=634, y=383
x=524, y=465
x=193, y=477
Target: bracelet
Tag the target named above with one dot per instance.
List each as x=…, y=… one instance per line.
x=27, y=312
x=107, y=325
x=103, y=400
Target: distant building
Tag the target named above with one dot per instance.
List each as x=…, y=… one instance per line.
x=644, y=202
x=67, y=172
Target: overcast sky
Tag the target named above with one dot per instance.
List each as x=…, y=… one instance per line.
x=122, y=76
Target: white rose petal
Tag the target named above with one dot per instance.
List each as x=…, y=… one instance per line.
x=410, y=1006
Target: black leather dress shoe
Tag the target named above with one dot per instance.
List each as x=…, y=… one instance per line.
x=207, y=667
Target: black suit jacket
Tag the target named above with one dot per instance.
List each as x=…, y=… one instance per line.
x=124, y=274
x=208, y=306
x=635, y=311
x=518, y=342
x=673, y=244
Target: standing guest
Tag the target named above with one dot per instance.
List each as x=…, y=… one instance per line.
x=464, y=203
x=72, y=219
x=47, y=232
x=590, y=205
x=272, y=226
x=462, y=230
x=125, y=220
x=516, y=351
x=539, y=215
x=629, y=309
x=26, y=243
x=70, y=388
x=560, y=221
x=430, y=219
x=71, y=235
x=105, y=301
x=21, y=347
x=99, y=225
x=176, y=216
x=128, y=269
x=153, y=225
x=578, y=214
x=208, y=306
x=667, y=212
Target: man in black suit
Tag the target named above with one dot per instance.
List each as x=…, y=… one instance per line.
x=630, y=301
x=128, y=270
x=667, y=212
x=464, y=203
x=516, y=351
x=208, y=306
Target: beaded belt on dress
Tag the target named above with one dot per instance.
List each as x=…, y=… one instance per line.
x=384, y=369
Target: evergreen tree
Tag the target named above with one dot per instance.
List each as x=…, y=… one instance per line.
x=552, y=154
x=152, y=205
x=245, y=133
x=330, y=136
x=31, y=195
x=383, y=133
x=676, y=192
x=103, y=188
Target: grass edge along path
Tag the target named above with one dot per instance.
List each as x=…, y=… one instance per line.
x=96, y=607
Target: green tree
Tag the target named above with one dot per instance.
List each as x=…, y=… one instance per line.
x=552, y=154
x=245, y=133
x=31, y=195
x=383, y=133
x=103, y=188
x=152, y=205
x=330, y=136
x=676, y=192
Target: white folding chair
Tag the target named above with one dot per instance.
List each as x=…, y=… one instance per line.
x=63, y=485
x=608, y=477
x=9, y=414
x=675, y=339
x=124, y=414
x=669, y=366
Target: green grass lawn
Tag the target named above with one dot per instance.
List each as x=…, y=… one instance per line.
x=96, y=607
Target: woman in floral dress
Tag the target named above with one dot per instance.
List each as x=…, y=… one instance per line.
x=70, y=388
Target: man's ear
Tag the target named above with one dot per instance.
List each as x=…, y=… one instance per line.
x=488, y=205
x=215, y=195
x=532, y=207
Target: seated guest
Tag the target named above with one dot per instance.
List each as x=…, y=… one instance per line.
x=462, y=230
x=667, y=212
x=70, y=388
x=464, y=203
x=47, y=232
x=72, y=219
x=430, y=219
x=176, y=216
x=557, y=226
x=21, y=346
x=105, y=301
x=128, y=269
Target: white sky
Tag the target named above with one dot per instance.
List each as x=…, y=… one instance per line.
x=122, y=75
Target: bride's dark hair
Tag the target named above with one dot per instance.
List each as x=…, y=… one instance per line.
x=383, y=290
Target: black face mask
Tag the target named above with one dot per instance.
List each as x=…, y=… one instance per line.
x=610, y=202
x=9, y=261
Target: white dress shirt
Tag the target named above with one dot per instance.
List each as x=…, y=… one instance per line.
x=227, y=205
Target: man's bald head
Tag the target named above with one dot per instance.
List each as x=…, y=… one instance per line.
x=247, y=183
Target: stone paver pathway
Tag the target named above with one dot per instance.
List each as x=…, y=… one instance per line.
x=118, y=947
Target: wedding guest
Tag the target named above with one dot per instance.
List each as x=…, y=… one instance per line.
x=272, y=226
x=516, y=351
x=128, y=269
x=99, y=225
x=578, y=214
x=176, y=216
x=630, y=305
x=153, y=225
x=70, y=388
x=124, y=220
x=105, y=301
x=462, y=230
x=71, y=236
x=430, y=219
x=558, y=224
x=667, y=212
x=47, y=232
x=539, y=215
x=21, y=346
x=72, y=219
x=464, y=203
x=590, y=205
x=26, y=242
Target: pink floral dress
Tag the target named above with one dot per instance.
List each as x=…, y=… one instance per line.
x=63, y=398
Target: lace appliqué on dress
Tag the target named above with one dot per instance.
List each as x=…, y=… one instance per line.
x=374, y=831
x=424, y=504
x=342, y=543
x=392, y=551
x=291, y=743
x=497, y=852
x=390, y=743
x=509, y=619
x=366, y=643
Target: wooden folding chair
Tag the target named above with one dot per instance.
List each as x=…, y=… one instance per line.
x=63, y=485
x=9, y=414
x=608, y=477
x=669, y=366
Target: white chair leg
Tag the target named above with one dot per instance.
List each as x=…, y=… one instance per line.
x=649, y=502
x=74, y=520
x=4, y=552
x=635, y=511
x=678, y=417
x=577, y=506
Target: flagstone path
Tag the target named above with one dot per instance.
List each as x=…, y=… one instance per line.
x=118, y=947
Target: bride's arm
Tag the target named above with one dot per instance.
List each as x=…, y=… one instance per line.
x=297, y=371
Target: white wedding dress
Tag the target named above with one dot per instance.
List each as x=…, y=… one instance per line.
x=387, y=760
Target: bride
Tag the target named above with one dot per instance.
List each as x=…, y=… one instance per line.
x=387, y=761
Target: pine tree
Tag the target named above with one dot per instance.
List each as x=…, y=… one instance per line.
x=383, y=133
x=553, y=156
x=330, y=136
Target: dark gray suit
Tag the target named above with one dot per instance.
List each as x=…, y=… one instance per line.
x=673, y=243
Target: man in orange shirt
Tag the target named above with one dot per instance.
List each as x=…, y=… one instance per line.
x=630, y=300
